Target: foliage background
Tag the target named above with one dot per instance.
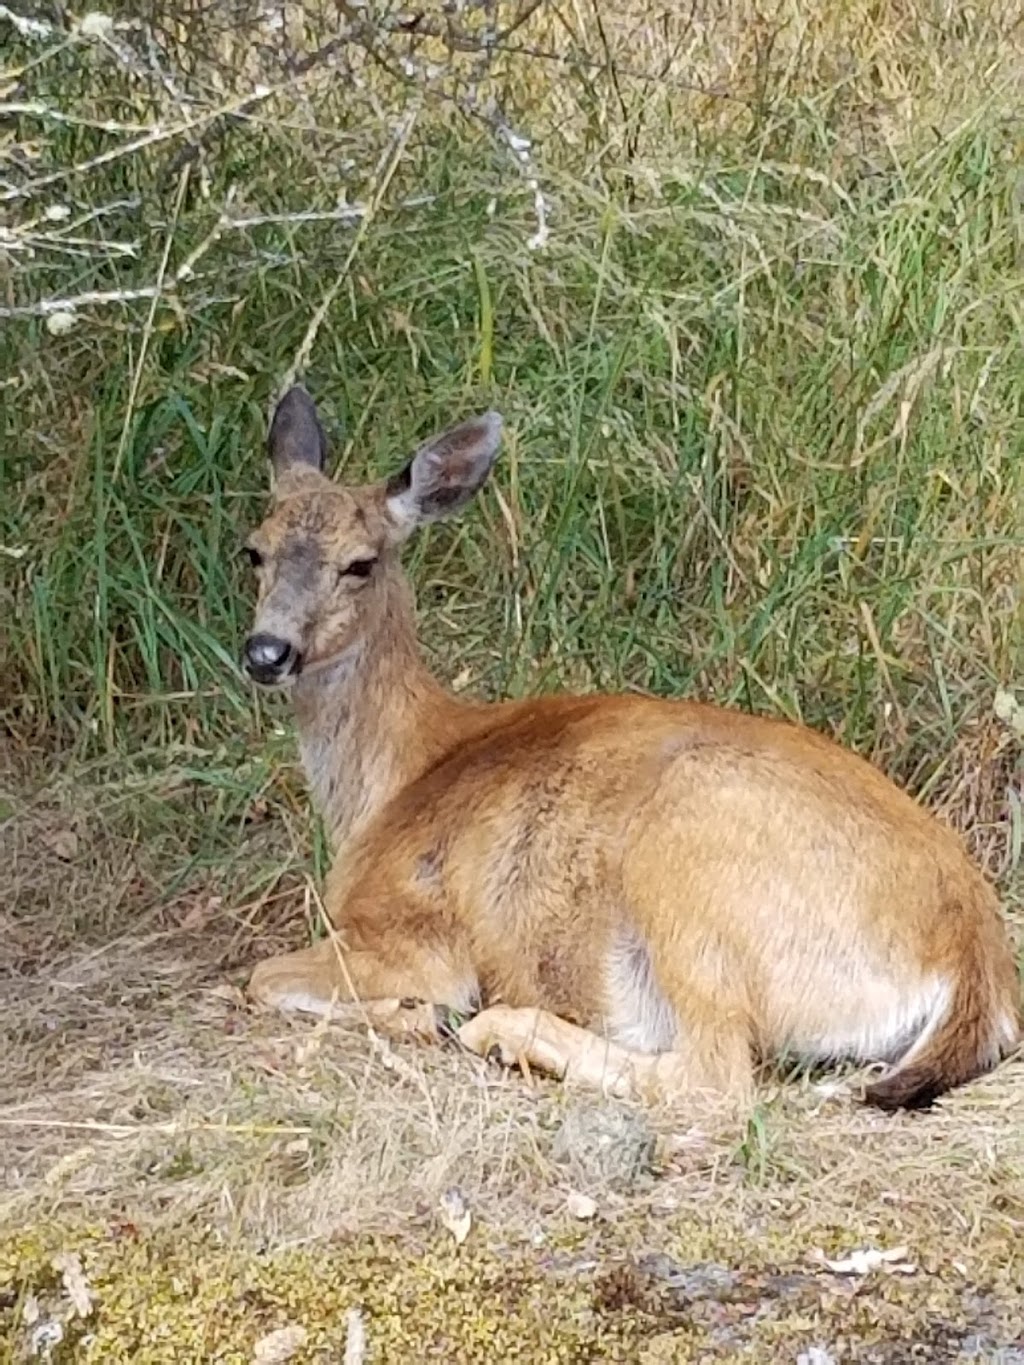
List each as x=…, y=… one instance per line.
x=744, y=279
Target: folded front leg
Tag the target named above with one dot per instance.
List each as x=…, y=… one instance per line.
x=402, y=995
x=541, y=1040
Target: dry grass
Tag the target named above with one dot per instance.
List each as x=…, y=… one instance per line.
x=140, y=1092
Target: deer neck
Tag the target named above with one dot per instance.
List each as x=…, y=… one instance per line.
x=372, y=721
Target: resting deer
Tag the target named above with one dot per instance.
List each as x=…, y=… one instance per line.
x=651, y=896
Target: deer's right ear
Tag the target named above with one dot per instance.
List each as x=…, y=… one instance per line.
x=296, y=436
x=443, y=474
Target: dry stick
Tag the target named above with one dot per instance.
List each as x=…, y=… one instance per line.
x=156, y=135
x=36, y=109
x=173, y=1128
x=517, y=145
x=72, y=302
x=351, y=214
x=239, y=106
x=70, y=246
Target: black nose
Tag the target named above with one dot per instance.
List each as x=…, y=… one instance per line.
x=268, y=659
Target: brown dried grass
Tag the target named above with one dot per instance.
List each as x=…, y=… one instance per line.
x=137, y=1083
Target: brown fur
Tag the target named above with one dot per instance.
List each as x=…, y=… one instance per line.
x=647, y=895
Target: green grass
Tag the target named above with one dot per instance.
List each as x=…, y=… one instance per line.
x=763, y=385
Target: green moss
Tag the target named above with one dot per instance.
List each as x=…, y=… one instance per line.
x=164, y=1298
x=161, y=1301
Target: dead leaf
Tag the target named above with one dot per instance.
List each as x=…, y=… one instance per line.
x=279, y=1346
x=307, y=1049
x=30, y=1310
x=123, y=1229
x=1009, y=710
x=62, y=843
x=868, y=1259
x=231, y=994
x=76, y=1286
x=455, y=1215
x=355, y=1337
x=45, y=1336
x=271, y=1062
x=200, y=913
x=580, y=1205
x=671, y=1145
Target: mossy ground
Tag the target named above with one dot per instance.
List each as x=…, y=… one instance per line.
x=675, y=1291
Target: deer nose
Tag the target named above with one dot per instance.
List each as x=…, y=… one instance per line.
x=268, y=658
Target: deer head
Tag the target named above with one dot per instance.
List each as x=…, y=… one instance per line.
x=326, y=553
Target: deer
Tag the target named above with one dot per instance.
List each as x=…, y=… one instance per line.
x=653, y=897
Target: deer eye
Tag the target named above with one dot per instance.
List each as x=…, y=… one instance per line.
x=359, y=568
x=253, y=555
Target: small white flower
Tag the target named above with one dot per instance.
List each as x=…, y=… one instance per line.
x=580, y=1205
x=95, y=25
x=59, y=324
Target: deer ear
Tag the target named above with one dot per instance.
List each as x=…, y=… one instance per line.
x=296, y=436
x=444, y=473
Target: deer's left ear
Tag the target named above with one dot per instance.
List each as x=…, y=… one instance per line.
x=444, y=474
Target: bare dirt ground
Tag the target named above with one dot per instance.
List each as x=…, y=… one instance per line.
x=186, y=1180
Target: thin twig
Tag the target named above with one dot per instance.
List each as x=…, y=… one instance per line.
x=173, y=1128
x=167, y=291
x=153, y=138
x=72, y=302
